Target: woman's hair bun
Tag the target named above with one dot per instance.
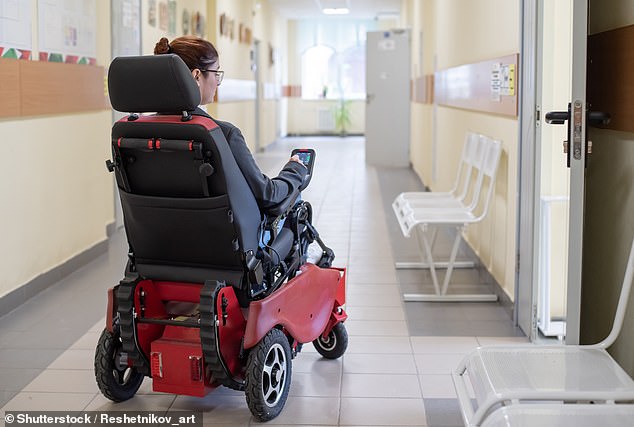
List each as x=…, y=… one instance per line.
x=162, y=47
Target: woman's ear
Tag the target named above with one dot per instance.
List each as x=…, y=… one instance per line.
x=196, y=74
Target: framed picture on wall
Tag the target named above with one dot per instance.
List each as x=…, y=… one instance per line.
x=151, y=13
x=185, y=22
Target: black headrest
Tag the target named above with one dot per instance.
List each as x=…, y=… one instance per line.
x=152, y=83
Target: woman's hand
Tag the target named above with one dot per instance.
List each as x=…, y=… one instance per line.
x=295, y=158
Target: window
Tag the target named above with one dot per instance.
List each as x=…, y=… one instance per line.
x=333, y=59
x=318, y=76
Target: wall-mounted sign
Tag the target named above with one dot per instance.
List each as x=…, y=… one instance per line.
x=15, y=29
x=67, y=31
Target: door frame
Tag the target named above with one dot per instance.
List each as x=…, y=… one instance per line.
x=526, y=289
x=577, y=171
x=525, y=313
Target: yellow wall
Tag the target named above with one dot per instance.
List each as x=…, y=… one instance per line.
x=57, y=197
x=271, y=31
x=419, y=17
x=456, y=32
x=235, y=59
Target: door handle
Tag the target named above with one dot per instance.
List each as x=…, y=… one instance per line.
x=593, y=118
x=557, y=117
x=598, y=118
x=369, y=97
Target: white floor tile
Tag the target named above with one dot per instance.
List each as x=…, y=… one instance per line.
x=502, y=340
x=154, y=402
x=437, y=386
x=308, y=411
x=75, y=359
x=437, y=363
x=216, y=408
x=56, y=401
x=315, y=364
x=382, y=411
x=55, y=380
x=379, y=364
x=379, y=345
x=375, y=313
x=311, y=385
x=87, y=342
x=427, y=345
x=395, y=328
x=381, y=385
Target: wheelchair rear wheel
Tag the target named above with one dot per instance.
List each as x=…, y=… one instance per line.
x=268, y=376
x=116, y=381
x=335, y=344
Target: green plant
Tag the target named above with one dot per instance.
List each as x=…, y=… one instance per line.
x=342, y=116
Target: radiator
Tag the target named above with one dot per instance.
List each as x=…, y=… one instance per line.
x=325, y=120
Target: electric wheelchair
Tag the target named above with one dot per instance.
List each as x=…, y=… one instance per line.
x=203, y=303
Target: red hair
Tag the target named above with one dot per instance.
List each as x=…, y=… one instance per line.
x=194, y=51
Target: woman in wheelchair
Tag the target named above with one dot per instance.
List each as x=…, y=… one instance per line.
x=202, y=59
x=205, y=301
x=275, y=196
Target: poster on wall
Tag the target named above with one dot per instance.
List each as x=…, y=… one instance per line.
x=126, y=15
x=151, y=17
x=162, y=17
x=171, y=17
x=185, y=22
x=15, y=29
x=67, y=31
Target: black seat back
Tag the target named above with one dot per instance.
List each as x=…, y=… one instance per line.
x=189, y=213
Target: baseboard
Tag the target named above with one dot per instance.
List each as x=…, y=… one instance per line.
x=111, y=229
x=27, y=291
x=329, y=134
x=487, y=277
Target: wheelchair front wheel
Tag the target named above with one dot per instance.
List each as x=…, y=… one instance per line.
x=335, y=344
x=268, y=376
x=116, y=381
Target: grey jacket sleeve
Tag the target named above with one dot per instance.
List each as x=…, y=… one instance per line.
x=268, y=192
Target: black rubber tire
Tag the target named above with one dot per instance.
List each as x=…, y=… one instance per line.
x=115, y=383
x=268, y=376
x=335, y=345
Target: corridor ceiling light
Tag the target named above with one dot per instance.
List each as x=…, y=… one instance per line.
x=334, y=7
x=388, y=15
x=336, y=11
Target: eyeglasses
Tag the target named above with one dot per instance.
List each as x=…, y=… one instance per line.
x=219, y=74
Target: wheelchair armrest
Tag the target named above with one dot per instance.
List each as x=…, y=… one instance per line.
x=283, y=206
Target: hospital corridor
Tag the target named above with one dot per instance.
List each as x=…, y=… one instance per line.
x=317, y=213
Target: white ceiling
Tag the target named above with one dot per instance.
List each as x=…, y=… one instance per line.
x=363, y=9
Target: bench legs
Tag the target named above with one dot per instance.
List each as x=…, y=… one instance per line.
x=423, y=264
x=426, y=239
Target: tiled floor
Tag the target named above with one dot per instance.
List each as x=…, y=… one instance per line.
x=396, y=369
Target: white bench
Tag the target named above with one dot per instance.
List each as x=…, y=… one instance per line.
x=506, y=376
x=561, y=415
x=470, y=159
x=425, y=220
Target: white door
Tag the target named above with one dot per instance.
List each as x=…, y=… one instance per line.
x=549, y=295
x=387, y=120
